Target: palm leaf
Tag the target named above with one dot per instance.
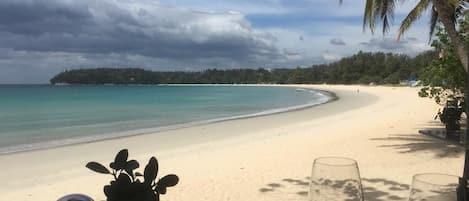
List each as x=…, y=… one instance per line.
x=388, y=15
x=368, y=16
x=385, y=24
x=433, y=22
x=384, y=10
x=413, y=15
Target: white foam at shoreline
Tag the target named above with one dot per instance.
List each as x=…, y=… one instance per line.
x=324, y=97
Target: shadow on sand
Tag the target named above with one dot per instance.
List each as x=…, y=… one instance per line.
x=416, y=142
x=374, y=189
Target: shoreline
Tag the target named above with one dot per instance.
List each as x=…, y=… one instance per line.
x=377, y=127
x=145, y=131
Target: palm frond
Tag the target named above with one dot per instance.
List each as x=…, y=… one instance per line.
x=413, y=15
x=379, y=10
x=384, y=10
x=433, y=22
x=368, y=16
x=385, y=24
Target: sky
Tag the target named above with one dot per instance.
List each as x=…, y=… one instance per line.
x=40, y=38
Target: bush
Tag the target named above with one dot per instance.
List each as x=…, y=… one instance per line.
x=127, y=185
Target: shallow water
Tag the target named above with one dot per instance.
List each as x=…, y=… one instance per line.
x=38, y=116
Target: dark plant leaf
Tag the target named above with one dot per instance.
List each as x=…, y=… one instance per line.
x=161, y=189
x=123, y=179
x=169, y=180
x=151, y=170
x=107, y=190
x=120, y=160
x=132, y=165
x=126, y=187
x=97, y=167
x=130, y=173
x=115, y=166
x=122, y=156
x=166, y=181
x=138, y=174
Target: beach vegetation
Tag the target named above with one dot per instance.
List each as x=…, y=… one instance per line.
x=361, y=68
x=130, y=185
x=445, y=77
x=444, y=80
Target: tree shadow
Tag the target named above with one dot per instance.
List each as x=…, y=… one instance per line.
x=374, y=189
x=287, y=189
x=380, y=189
x=421, y=142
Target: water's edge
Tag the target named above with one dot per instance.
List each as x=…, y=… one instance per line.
x=329, y=97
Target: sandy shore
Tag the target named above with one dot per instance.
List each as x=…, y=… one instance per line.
x=234, y=160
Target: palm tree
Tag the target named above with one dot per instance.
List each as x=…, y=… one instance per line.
x=444, y=11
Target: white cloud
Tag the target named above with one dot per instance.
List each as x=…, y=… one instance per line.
x=329, y=57
x=44, y=37
x=337, y=41
x=410, y=46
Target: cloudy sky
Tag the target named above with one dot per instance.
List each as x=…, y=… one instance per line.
x=40, y=38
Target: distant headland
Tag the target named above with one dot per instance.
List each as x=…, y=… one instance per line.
x=361, y=68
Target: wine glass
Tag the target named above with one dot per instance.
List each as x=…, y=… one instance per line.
x=434, y=187
x=75, y=197
x=335, y=179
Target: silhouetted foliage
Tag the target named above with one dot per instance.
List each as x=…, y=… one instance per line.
x=127, y=185
x=361, y=68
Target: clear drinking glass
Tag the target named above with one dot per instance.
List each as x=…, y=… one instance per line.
x=335, y=179
x=434, y=187
x=75, y=197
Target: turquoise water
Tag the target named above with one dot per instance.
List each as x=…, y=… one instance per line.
x=40, y=116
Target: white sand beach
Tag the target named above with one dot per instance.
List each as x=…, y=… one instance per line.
x=234, y=160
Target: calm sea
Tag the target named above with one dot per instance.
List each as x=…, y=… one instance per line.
x=41, y=116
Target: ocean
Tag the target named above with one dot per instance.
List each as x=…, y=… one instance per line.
x=42, y=116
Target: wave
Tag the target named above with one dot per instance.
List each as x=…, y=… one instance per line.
x=323, y=97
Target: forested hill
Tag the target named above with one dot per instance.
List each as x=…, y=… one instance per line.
x=361, y=68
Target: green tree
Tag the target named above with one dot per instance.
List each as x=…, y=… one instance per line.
x=444, y=79
x=361, y=68
x=444, y=11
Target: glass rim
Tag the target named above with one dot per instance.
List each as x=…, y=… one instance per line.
x=416, y=178
x=350, y=160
